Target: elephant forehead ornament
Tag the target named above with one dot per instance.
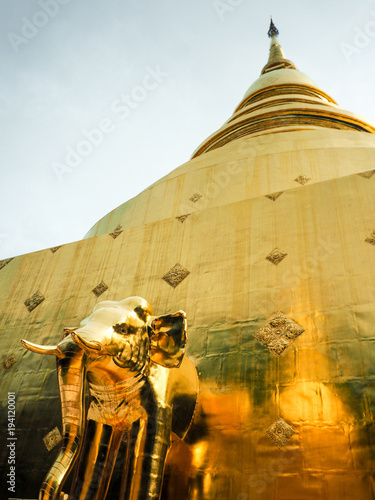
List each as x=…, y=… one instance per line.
x=141, y=388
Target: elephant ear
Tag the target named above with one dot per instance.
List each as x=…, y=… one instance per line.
x=168, y=339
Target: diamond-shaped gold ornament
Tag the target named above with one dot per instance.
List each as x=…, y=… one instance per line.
x=175, y=275
x=99, y=289
x=32, y=302
x=302, y=179
x=9, y=362
x=195, y=197
x=280, y=432
x=4, y=262
x=274, y=196
x=52, y=439
x=117, y=231
x=54, y=249
x=276, y=256
x=182, y=218
x=278, y=333
x=368, y=174
x=371, y=239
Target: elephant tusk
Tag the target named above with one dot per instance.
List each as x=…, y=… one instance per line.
x=43, y=349
x=87, y=345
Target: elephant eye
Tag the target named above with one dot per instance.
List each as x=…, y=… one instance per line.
x=120, y=328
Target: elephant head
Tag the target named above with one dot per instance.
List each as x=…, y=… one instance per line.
x=128, y=332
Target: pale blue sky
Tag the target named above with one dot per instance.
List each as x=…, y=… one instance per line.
x=71, y=73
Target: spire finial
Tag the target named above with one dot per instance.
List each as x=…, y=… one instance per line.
x=277, y=59
x=273, y=31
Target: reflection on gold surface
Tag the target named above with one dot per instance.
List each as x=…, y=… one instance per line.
x=199, y=455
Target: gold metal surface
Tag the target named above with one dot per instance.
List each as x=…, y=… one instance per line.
x=123, y=352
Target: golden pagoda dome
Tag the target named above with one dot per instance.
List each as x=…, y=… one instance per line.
x=281, y=100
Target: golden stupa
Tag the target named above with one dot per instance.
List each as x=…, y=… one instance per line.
x=266, y=239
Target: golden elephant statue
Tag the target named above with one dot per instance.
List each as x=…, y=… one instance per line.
x=141, y=388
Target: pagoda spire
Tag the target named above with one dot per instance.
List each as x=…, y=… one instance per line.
x=276, y=59
x=273, y=31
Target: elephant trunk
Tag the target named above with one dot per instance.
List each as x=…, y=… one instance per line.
x=71, y=379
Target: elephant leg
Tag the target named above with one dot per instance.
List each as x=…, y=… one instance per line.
x=150, y=452
x=98, y=456
x=132, y=442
